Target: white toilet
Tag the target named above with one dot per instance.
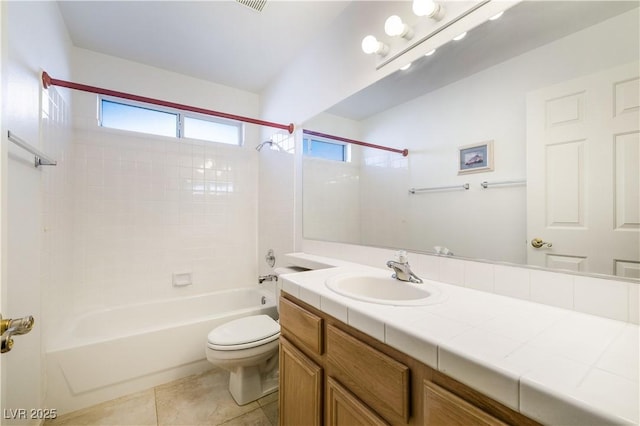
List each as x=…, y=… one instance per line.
x=248, y=348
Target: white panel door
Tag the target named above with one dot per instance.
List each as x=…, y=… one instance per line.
x=583, y=173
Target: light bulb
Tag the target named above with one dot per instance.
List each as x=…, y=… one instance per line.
x=427, y=8
x=460, y=36
x=496, y=16
x=431, y=52
x=371, y=45
x=394, y=26
x=405, y=67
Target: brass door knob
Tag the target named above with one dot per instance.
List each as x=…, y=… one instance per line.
x=7, y=344
x=18, y=325
x=13, y=327
x=538, y=243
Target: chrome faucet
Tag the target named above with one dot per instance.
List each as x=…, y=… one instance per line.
x=402, y=269
x=270, y=277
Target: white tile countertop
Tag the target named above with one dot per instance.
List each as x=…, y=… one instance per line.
x=553, y=365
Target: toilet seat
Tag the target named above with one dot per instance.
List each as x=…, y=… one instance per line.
x=243, y=333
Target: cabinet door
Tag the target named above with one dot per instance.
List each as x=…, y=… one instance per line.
x=441, y=407
x=300, y=387
x=344, y=409
x=377, y=379
x=304, y=325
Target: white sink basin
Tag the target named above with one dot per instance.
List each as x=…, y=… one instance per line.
x=384, y=290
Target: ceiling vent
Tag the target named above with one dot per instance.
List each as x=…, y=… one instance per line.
x=256, y=5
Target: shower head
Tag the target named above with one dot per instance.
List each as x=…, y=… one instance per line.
x=259, y=147
x=271, y=145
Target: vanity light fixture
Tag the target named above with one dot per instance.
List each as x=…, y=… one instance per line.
x=371, y=45
x=496, y=16
x=405, y=67
x=428, y=8
x=394, y=26
x=431, y=52
x=460, y=36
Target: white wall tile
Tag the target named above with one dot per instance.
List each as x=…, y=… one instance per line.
x=512, y=282
x=552, y=288
x=606, y=298
x=150, y=213
x=452, y=271
x=634, y=303
x=479, y=276
x=426, y=267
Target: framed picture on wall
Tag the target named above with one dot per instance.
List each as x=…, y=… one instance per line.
x=475, y=158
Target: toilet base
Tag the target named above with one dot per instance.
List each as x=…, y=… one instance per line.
x=247, y=384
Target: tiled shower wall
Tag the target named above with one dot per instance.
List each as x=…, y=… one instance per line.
x=147, y=207
x=57, y=208
x=123, y=212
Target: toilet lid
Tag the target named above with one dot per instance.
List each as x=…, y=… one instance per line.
x=244, y=330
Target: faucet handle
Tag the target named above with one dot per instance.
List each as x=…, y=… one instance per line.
x=402, y=257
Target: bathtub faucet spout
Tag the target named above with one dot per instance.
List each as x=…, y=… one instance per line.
x=270, y=277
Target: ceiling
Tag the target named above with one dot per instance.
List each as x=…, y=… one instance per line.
x=221, y=41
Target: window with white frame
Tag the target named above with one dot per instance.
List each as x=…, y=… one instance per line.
x=133, y=116
x=325, y=148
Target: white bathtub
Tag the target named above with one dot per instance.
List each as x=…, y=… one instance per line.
x=109, y=353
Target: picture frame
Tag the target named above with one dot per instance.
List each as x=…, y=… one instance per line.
x=475, y=158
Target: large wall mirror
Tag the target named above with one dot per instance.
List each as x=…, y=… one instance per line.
x=523, y=142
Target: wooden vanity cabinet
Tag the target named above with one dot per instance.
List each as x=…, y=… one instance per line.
x=343, y=408
x=333, y=374
x=300, y=387
x=441, y=407
x=301, y=375
x=376, y=378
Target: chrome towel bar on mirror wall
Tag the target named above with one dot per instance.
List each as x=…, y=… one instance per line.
x=440, y=188
x=486, y=184
x=466, y=186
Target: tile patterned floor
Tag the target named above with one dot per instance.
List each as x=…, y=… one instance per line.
x=197, y=400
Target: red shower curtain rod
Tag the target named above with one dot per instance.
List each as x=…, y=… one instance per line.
x=48, y=81
x=404, y=152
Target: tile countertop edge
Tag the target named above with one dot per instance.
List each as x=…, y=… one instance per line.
x=296, y=282
x=536, y=399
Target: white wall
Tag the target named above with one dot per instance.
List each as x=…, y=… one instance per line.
x=276, y=203
x=34, y=38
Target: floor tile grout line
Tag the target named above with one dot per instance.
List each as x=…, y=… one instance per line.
x=155, y=404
